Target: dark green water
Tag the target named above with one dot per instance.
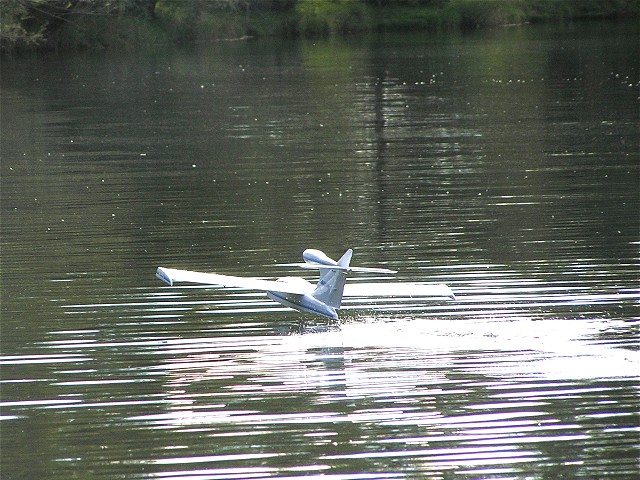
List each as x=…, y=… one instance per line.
x=505, y=164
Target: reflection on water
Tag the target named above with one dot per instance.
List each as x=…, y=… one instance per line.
x=508, y=173
x=459, y=395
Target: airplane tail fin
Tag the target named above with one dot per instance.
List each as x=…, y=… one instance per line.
x=345, y=259
x=330, y=287
x=333, y=275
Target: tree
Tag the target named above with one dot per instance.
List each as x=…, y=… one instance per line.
x=30, y=23
x=15, y=31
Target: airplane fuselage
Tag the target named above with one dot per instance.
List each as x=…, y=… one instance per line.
x=303, y=303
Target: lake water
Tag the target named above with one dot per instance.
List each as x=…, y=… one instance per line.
x=503, y=163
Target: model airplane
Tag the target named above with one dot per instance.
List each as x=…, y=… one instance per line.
x=325, y=297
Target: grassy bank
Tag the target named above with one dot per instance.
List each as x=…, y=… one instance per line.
x=125, y=24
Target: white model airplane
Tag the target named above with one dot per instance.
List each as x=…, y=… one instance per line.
x=325, y=297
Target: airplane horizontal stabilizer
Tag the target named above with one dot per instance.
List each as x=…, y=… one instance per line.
x=317, y=266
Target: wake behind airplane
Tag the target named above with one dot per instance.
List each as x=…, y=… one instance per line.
x=325, y=297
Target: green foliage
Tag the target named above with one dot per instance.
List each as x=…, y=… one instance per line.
x=15, y=31
x=321, y=17
x=101, y=32
x=559, y=10
x=407, y=3
x=416, y=18
x=91, y=24
x=203, y=21
x=179, y=18
x=76, y=24
x=489, y=13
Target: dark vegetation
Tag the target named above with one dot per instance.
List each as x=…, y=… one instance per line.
x=96, y=24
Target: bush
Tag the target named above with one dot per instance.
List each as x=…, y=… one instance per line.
x=34, y=24
x=100, y=32
x=15, y=33
x=489, y=13
x=416, y=18
x=322, y=17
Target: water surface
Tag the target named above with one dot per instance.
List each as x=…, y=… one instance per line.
x=503, y=163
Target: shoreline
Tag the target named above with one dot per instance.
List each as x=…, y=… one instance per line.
x=167, y=23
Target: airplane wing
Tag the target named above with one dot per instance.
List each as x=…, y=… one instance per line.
x=397, y=289
x=171, y=275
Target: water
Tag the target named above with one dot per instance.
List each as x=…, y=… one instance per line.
x=502, y=163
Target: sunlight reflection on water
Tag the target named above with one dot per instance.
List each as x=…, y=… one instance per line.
x=376, y=359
